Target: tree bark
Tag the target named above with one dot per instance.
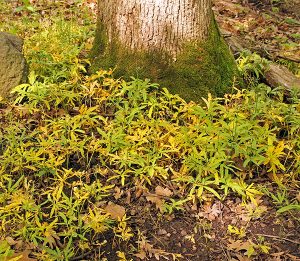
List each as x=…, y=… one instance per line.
x=170, y=41
x=163, y=25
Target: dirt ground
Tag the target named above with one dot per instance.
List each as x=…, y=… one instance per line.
x=271, y=30
x=202, y=232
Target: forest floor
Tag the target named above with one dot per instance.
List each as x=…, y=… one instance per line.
x=269, y=30
x=230, y=228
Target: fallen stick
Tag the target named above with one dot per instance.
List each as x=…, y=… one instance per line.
x=278, y=75
x=280, y=238
x=289, y=58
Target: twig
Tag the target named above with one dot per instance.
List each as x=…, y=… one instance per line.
x=81, y=256
x=280, y=238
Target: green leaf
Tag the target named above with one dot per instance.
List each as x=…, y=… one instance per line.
x=19, y=9
x=213, y=192
x=289, y=207
x=292, y=21
x=30, y=8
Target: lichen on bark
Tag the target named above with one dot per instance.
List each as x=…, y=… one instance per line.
x=201, y=66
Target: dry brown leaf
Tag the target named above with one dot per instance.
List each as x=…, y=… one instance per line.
x=157, y=201
x=51, y=237
x=165, y=192
x=245, y=246
x=142, y=255
x=118, y=193
x=145, y=245
x=239, y=245
x=139, y=191
x=128, y=197
x=216, y=209
x=278, y=254
x=292, y=257
x=234, y=245
x=18, y=244
x=162, y=232
x=242, y=258
x=194, y=207
x=298, y=197
x=115, y=211
x=10, y=241
x=211, y=212
x=24, y=256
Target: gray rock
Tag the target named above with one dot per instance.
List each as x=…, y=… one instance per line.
x=13, y=66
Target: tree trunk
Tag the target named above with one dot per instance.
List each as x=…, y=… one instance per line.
x=173, y=42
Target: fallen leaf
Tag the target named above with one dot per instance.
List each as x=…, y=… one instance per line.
x=246, y=246
x=128, y=197
x=10, y=241
x=115, y=211
x=165, y=192
x=216, y=209
x=23, y=256
x=242, y=258
x=139, y=191
x=194, y=207
x=157, y=201
x=278, y=254
x=211, y=212
x=141, y=255
x=298, y=197
x=183, y=232
x=162, y=232
x=118, y=193
x=51, y=237
x=234, y=245
x=239, y=245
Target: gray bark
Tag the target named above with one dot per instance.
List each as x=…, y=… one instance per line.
x=175, y=43
x=163, y=25
x=280, y=76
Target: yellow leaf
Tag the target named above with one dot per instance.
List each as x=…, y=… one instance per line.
x=23, y=256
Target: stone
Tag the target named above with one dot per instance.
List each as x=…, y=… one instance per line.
x=13, y=66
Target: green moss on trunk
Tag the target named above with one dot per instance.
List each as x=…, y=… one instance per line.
x=200, y=68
